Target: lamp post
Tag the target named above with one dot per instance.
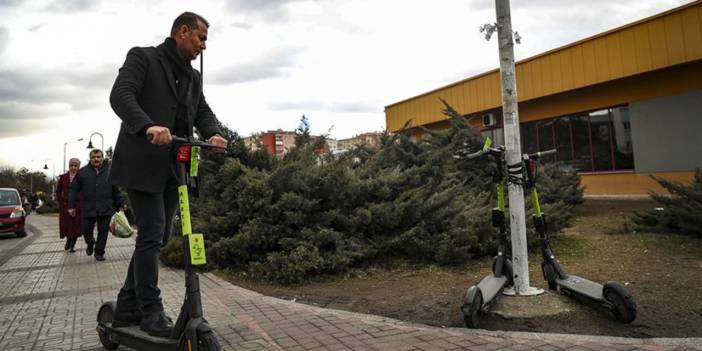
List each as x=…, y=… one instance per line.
x=102, y=142
x=53, y=175
x=31, y=176
x=64, y=152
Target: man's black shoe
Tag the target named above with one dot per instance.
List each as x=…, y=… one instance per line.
x=67, y=246
x=89, y=249
x=156, y=324
x=126, y=318
x=72, y=249
x=99, y=257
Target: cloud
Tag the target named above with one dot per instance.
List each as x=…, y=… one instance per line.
x=25, y=126
x=275, y=64
x=9, y=2
x=14, y=110
x=72, y=86
x=72, y=5
x=480, y=5
x=312, y=105
x=241, y=25
x=36, y=27
x=268, y=9
x=4, y=38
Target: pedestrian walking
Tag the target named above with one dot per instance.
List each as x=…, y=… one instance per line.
x=100, y=200
x=69, y=226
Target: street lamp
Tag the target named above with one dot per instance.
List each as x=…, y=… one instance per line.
x=53, y=174
x=102, y=142
x=64, y=152
x=53, y=166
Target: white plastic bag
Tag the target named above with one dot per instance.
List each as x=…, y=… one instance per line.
x=119, y=225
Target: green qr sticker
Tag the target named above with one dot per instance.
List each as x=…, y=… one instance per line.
x=184, y=205
x=194, y=160
x=197, y=249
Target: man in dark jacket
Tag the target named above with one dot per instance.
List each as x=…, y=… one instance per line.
x=157, y=94
x=100, y=199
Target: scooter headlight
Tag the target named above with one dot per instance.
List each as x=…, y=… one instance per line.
x=18, y=212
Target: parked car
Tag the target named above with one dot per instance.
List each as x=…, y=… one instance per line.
x=12, y=214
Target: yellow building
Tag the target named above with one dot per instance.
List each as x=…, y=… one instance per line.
x=618, y=106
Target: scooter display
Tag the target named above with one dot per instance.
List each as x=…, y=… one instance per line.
x=191, y=331
x=613, y=296
x=480, y=298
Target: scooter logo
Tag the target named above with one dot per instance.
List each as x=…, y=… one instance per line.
x=197, y=249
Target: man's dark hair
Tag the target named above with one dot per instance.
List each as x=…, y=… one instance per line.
x=96, y=151
x=189, y=19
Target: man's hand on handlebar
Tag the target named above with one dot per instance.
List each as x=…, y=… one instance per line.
x=218, y=141
x=159, y=135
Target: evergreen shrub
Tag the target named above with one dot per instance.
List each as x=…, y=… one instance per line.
x=306, y=215
x=680, y=211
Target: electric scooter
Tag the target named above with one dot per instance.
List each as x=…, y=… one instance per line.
x=613, y=296
x=191, y=331
x=479, y=299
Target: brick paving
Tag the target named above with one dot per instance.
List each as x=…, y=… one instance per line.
x=49, y=300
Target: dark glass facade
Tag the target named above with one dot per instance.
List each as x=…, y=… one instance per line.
x=595, y=141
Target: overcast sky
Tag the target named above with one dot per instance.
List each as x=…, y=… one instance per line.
x=268, y=62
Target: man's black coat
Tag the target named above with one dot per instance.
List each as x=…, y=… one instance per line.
x=99, y=197
x=145, y=94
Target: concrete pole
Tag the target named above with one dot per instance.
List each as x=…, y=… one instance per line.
x=510, y=113
x=64, y=157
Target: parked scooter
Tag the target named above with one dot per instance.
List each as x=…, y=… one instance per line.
x=480, y=298
x=191, y=331
x=613, y=296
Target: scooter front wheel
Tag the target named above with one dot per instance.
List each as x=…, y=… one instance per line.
x=472, y=305
x=106, y=315
x=623, y=305
x=206, y=341
x=549, y=275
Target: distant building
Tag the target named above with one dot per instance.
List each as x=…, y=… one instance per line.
x=280, y=142
x=332, y=146
x=277, y=142
x=370, y=139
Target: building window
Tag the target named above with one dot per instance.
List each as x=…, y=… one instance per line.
x=597, y=141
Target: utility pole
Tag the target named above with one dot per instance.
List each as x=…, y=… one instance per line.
x=510, y=115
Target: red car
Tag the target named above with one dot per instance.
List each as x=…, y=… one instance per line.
x=12, y=215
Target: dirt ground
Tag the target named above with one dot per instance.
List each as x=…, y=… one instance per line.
x=662, y=272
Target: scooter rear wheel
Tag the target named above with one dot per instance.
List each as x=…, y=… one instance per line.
x=106, y=315
x=623, y=305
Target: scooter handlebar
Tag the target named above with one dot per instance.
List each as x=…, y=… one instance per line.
x=473, y=154
x=537, y=155
x=462, y=153
x=194, y=142
x=176, y=140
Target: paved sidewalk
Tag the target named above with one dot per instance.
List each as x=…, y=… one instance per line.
x=49, y=300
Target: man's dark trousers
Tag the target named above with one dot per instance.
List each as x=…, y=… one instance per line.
x=87, y=225
x=154, y=214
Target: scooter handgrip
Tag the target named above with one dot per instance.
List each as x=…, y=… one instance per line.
x=539, y=154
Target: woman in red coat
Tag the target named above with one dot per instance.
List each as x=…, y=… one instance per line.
x=69, y=227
